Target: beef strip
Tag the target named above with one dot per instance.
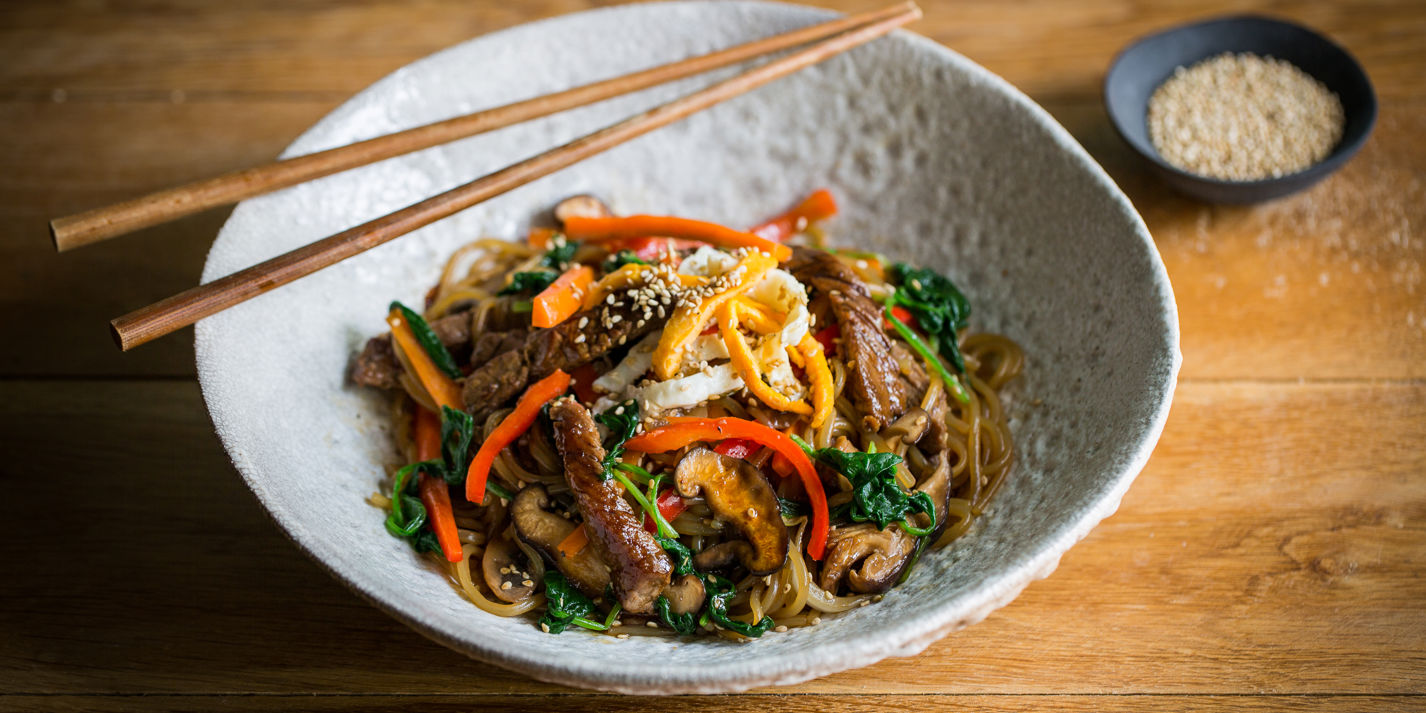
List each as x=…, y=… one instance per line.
x=544, y=350
x=377, y=364
x=874, y=377
x=640, y=569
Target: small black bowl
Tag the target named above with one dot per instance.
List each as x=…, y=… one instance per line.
x=1144, y=65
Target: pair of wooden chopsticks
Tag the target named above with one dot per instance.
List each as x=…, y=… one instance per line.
x=185, y=308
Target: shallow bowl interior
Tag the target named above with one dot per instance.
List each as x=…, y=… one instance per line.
x=934, y=161
x=1144, y=65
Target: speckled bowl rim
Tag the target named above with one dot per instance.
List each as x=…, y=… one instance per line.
x=909, y=637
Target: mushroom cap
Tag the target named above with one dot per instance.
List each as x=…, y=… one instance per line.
x=505, y=577
x=685, y=594
x=881, y=553
x=544, y=531
x=738, y=494
x=582, y=206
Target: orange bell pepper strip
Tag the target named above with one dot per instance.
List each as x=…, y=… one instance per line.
x=627, y=275
x=818, y=206
x=683, y=431
x=688, y=322
x=597, y=230
x=516, y=423
x=434, y=494
x=820, y=377
x=562, y=298
x=442, y=388
x=741, y=356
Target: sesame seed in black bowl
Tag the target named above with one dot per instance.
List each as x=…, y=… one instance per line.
x=1240, y=109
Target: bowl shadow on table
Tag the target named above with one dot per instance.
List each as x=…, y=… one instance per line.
x=148, y=567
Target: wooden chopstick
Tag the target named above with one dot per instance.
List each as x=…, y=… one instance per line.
x=92, y=226
x=185, y=308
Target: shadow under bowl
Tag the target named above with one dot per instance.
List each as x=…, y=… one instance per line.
x=1147, y=63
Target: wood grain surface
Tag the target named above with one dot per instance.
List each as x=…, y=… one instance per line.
x=1271, y=557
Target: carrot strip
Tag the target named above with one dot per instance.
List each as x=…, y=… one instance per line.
x=630, y=275
x=572, y=545
x=562, y=298
x=526, y=410
x=540, y=238
x=434, y=494
x=744, y=363
x=818, y=206
x=604, y=229
x=682, y=431
x=442, y=389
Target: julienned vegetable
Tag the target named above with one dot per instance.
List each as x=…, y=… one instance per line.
x=528, y=283
x=430, y=343
x=952, y=383
x=684, y=431
x=939, y=307
x=562, y=298
x=565, y=605
x=434, y=493
x=433, y=377
x=877, y=497
x=816, y=207
x=634, y=226
x=526, y=410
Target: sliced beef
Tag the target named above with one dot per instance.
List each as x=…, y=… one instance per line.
x=488, y=345
x=377, y=364
x=873, y=375
x=578, y=340
x=640, y=569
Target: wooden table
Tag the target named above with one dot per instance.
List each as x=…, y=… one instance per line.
x=1270, y=556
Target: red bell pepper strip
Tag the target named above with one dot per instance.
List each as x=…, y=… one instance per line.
x=582, y=381
x=650, y=250
x=603, y=230
x=681, y=432
x=434, y=494
x=526, y=410
x=902, y=314
x=827, y=337
x=670, y=504
x=818, y=206
x=736, y=448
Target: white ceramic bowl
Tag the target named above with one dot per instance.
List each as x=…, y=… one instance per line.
x=934, y=160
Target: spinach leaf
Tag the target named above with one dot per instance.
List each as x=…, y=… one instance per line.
x=529, y=283
x=940, y=307
x=622, y=422
x=559, y=255
x=425, y=541
x=685, y=624
x=428, y=340
x=791, y=508
x=622, y=258
x=876, y=496
x=564, y=604
x=680, y=554
x=720, y=590
x=457, y=431
x=407, y=514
